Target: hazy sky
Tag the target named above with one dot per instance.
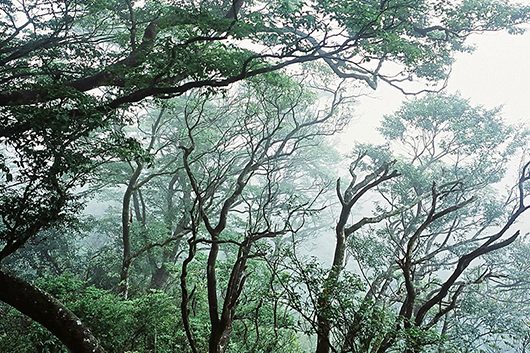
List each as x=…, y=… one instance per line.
x=496, y=73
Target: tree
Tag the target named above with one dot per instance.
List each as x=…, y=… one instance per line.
x=343, y=232
x=153, y=44
x=276, y=191
x=446, y=139
x=241, y=177
x=412, y=254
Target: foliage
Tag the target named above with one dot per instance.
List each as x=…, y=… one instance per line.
x=133, y=325
x=202, y=125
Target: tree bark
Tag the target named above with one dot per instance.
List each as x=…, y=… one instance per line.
x=50, y=313
x=126, y=236
x=323, y=324
x=159, y=277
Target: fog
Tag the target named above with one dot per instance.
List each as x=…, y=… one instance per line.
x=255, y=176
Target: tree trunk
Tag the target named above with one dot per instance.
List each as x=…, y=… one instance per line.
x=323, y=322
x=50, y=313
x=159, y=277
x=219, y=338
x=126, y=232
x=126, y=239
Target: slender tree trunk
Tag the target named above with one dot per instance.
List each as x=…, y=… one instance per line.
x=126, y=240
x=50, y=313
x=323, y=323
x=126, y=230
x=160, y=274
x=350, y=197
x=216, y=324
x=186, y=295
x=222, y=328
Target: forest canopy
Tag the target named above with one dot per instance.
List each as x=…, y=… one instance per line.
x=165, y=166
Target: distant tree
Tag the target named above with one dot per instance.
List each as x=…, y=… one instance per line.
x=159, y=214
x=248, y=170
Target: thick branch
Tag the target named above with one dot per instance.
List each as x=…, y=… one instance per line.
x=47, y=311
x=490, y=245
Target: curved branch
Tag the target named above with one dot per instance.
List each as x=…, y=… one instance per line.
x=47, y=311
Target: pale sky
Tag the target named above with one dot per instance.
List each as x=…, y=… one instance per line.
x=496, y=73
